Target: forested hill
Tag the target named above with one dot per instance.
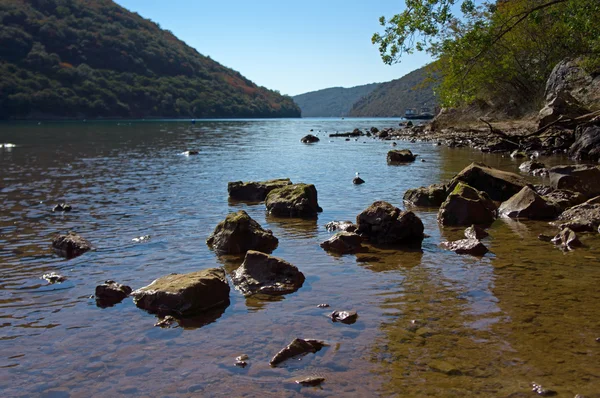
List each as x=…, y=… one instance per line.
x=332, y=102
x=93, y=58
x=390, y=99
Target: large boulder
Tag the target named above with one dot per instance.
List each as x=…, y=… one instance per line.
x=400, y=156
x=255, y=191
x=70, y=245
x=297, y=200
x=239, y=233
x=343, y=243
x=466, y=206
x=562, y=105
x=499, y=185
x=568, y=76
x=587, y=143
x=184, y=294
x=582, y=178
x=528, y=204
x=383, y=223
x=431, y=196
x=261, y=273
x=583, y=217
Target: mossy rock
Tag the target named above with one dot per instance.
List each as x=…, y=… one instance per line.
x=239, y=233
x=296, y=200
x=254, y=191
x=466, y=206
x=498, y=184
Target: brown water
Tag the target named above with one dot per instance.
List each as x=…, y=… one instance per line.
x=524, y=313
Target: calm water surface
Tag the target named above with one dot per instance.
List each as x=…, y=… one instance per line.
x=525, y=312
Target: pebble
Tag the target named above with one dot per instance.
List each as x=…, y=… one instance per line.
x=544, y=392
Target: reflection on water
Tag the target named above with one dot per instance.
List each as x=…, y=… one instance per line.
x=431, y=322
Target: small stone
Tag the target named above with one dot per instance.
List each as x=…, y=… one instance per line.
x=295, y=348
x=597, y=339
x=110, y=293
x=323, y=305
x=141, y=239
x=357, y=181
x=310, y=381
x=241, y=364
x=242, y=357
x=62, y=207
x=191, y=153
x=544, y=392
x=53, y=277
x=347, y=317
x=166, y=322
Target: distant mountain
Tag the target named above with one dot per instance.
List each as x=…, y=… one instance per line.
x=332, y=102
x=93, y=58
x=391, y=99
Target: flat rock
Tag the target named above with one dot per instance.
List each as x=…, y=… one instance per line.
x=528, y=204
x=295, y=348
x=579, y=178
x=110, y=293
x=255, y=191
x=583, y=217
x=310, y=381
x=297, y=200
x=475, y=232
x=498, y=184
x=347, y=317
x=264, y=274
x=239, y=233
x=70, y=245
x=343, y=243
x=383, y=223
x=400, y=156
x=466, y=206
x=431, y=196
x=466, y=246
x=184, y=294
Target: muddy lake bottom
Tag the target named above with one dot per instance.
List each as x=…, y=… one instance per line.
x=430, y=323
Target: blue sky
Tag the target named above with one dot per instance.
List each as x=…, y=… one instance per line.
x=290, y=46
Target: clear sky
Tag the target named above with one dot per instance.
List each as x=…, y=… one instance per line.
x=290, y=46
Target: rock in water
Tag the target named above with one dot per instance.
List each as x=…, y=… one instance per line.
x=400, y=156
x=567, y=239
x=343, y=243
x=582, y=178
x=261, y=273
x=254, y=191
x=53, y=277
x=562, y=199
x=297, y=200
x=62, y=207
x=466, y=206
x=431, y=196
x=531, y=165
x=110, y=293
x=310, y=381
x=309, y=139
x=357, y=181
x=239, y=233
x=70, y=245
x=347, y=317
x=295, y=348
x=583, y=217
x=184, y=294
x=499, y=185
x=383, y=223
x=528, y=204
x=466, y=246
x=475, y=232
x=347, y=226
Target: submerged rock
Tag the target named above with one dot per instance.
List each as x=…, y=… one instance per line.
x=343, y=243
x=297, y=200
x=310, y=381
x=295, y=348
x=583, y=217
x=466, y=246
x=579, y=178
x=383, y=223
x=70, y=245
x=53, y=277
x=110, y=293
x=184, y=294
x=499, y=185
x=261, y=273
x=400, y=156
x=466, y=206
x=475, y=232
x=309, y=139
x=431, y=196
x=239, y=233
x=528, y=204
x=348, y=226
x=347, y=317
x=255, y=191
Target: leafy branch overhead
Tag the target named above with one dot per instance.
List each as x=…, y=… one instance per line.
x=502, y=50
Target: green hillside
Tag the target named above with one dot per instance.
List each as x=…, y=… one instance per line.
x=391, y=99
x=332, y=102
x=93, y=58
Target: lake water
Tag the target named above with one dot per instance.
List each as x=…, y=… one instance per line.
x=526, y=312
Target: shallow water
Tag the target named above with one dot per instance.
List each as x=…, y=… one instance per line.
x=524, y=313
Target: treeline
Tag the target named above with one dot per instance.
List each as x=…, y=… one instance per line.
x=89, y=59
